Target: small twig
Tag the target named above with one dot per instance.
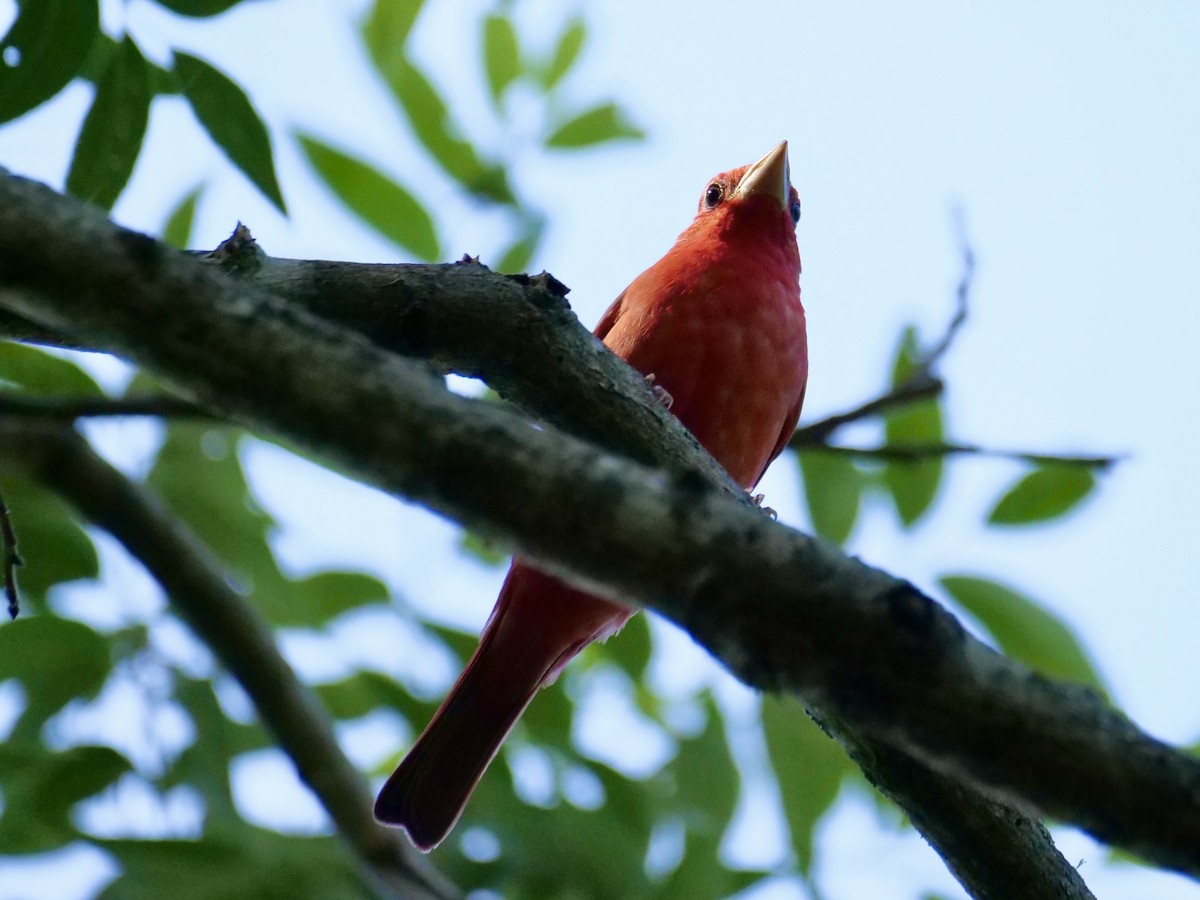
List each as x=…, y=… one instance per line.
x=923, y=384
x=71, y=408
x=12, y=559
x=962, y=295
x=920, y=387
x=919, y=452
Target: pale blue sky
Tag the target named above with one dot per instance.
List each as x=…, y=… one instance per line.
x=1067, y=132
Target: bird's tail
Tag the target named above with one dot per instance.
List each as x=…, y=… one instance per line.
x=531, y=635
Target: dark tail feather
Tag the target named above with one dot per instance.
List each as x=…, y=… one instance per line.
x=538, y=624
x=427, y=792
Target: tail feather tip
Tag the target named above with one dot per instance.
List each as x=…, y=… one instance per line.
x=391, y=811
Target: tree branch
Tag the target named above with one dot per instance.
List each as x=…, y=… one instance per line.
x=515, y=331
x=67, y=409
x=239, y=637
x=920, y=387
x=918, y=452
x=851, y=640
x=994, y=851
x=11, y=559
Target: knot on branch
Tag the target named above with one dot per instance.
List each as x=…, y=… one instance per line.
x=548, y=292
x=239, y=253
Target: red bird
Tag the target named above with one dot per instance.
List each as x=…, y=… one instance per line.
x=718, y=323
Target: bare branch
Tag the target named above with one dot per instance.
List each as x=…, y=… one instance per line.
x=855, y=642
x=917, y=452
x=962, y=295
x=239, y=637
x=11, y=560
x=68, y=409
x=921, y=386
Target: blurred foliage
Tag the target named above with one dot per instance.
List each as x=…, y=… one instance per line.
x=838, y=487
x=596, y=832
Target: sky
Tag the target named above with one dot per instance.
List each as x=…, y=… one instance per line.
x=1067, y=134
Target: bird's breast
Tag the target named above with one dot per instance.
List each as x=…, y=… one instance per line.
x=731, y=349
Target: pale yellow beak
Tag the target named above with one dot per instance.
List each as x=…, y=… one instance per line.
x=771, y=175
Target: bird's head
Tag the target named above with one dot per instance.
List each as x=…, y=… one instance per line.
x=763, y=189
x=752, y=210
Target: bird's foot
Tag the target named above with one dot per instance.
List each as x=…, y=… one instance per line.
x=757, y=500
x=660, y=393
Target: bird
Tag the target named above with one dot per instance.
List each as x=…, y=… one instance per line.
x=718, y=327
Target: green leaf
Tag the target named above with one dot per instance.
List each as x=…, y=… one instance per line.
x=631, y=647
x=912, y=485
x=701, y=874
x=386, y=28
x=597, y=853
x=376, y=199
x=434, y=127
x=705, y=776
x=113, y=129
x=487, y=552
x=1045, y=493
x=460, y=643
x=598, y=125
x=81, y=772
x=566, y=53
x=809, y=767
x=56, y=660
x=833, y=487
x=1024, y=629
x=365, y=692
x=548, y=719
x=315, y=600
x=40, y=789
x=178, y=228
x=249, y=862
x=501, y=55
x=199, y=477
x=231, y=121
x=44, y=49
x=204, y=765
x=218, y=738
x=198, y=8
x=44, y=374
x=517, y=257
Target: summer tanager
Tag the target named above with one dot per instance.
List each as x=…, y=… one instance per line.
x=718, y=324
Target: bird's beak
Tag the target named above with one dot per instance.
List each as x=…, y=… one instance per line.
x=770, y=175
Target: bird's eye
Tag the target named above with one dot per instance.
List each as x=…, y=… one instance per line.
x=795, y=210
x=713, y=195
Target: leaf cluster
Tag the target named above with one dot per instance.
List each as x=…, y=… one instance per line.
x=53, y=42
x=838, y=487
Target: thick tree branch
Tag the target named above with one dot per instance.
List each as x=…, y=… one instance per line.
x=243, y=642
x=853, y=641
x=517, y=332
x=994, y=851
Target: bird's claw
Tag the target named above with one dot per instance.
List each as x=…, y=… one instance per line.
x=660, y=393
x=757, y=500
